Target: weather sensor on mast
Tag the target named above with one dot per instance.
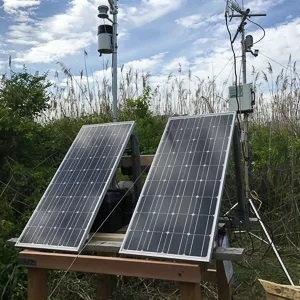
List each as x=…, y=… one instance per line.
x=108, y=44
x=241, y=96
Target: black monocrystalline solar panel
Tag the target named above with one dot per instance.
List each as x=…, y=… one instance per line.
x=65, y=214
x=176, y=214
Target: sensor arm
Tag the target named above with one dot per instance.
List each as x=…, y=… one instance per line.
x=113, y=6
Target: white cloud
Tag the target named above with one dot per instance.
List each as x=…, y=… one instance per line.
x=57, y=36
x=262, y=5
x=54, y=50
x=150, y=10
x=140, y=66
x=192, y=21
x=278, y=44
x=21, y=41
x=11, y=6
x=146, y=64
x=197, y=20
x=181, y=64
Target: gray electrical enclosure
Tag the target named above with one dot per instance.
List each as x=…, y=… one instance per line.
x=241, y=98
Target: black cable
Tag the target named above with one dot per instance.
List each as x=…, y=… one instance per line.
x=236, y=84
x=253, y=250
x=280, y=64
x=264, y=31
x=235, y=67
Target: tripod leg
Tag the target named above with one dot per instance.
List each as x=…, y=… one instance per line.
x=271, y=242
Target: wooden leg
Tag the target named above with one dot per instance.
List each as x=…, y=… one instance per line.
x=104, y=287
x=37, y=284
x=225, y=289
x=190, y=291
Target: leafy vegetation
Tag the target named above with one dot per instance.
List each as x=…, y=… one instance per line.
x=38, y=122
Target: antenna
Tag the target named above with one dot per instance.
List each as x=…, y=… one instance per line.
x=236, y=7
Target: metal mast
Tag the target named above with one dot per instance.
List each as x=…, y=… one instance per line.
x=114, y=12
x=244, y=14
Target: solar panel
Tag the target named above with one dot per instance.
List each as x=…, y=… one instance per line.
x=65, y=214
x=177, y=212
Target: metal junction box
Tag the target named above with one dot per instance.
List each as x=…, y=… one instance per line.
x=241, y=98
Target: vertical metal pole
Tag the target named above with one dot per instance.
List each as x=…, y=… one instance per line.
x=115, y=63
x=244, y=58
x=114, y=11
x=246, y=116
x=243, y=205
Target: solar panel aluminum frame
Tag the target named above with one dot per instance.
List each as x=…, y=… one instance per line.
x=215, y=221
x=101, y=196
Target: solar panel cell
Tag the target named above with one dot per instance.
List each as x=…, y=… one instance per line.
x=63, y=217
x=177, y=211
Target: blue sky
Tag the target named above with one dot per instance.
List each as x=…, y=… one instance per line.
x=154, y=35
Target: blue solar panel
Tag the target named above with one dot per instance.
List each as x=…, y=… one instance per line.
x=176, y=214
x=66, y=212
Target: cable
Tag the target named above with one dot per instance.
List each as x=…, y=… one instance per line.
x=287, y=68
x=223, y=68
x=269, y=230
x=264, y=31
x=234, y=63
x=236, y=84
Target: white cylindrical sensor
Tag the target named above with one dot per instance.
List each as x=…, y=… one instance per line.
x=105, y=39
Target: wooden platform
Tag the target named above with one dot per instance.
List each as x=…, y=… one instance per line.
x=189, y=275
x=276, y=291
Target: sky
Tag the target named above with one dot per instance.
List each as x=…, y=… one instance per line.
x=155, y=36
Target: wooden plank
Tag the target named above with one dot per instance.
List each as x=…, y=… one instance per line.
x=209, y=275
x=11, y=242
x=111, y=243
x=104, y=287
x=181, y=272
x=37, y=284
x=220, y=253
x=272, y=297
x=281, y=291
x=116, y=237
x=233, y=254
x=106, y=284
x=102, y=246
x=190, y=291
x=225, y=289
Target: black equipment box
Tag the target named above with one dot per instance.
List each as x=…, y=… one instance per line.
x=113, y=216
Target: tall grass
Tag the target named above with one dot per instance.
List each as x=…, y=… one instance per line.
x=179, y=93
